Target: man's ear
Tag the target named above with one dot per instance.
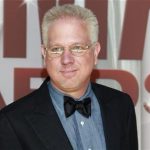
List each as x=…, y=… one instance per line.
x=43, y=52
x=97, y=48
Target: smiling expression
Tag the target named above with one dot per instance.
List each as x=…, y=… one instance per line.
x=70, y=74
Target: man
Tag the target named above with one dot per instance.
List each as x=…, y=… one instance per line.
x=68, y=111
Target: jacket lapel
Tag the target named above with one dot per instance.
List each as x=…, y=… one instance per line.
x=49, y=129
x=111, y=127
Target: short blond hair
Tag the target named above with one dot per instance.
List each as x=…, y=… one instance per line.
x=74, y=11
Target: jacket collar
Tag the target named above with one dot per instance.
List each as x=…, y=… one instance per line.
x=45, y=112
x=53, y=136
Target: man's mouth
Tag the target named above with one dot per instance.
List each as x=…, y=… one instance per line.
x=68, y=73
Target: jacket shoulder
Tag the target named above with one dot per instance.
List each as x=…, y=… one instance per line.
x=108, y=94
x=27, y=102
x=20, y=104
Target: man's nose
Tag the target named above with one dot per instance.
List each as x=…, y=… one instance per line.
x=67, y=57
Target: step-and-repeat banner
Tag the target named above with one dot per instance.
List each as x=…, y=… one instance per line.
x=124, y=62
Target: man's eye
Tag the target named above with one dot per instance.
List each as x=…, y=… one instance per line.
x=56, y=49
x=77, y=48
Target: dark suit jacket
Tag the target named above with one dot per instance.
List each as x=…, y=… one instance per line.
x=31, y=123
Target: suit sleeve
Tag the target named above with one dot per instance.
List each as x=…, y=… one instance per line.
x=132, y=139
x=8, y=138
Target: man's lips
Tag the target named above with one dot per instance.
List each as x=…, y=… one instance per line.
x=68, y=73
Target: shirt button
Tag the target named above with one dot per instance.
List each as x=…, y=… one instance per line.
x=82, y=123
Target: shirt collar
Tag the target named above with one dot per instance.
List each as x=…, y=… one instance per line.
x=57, y=95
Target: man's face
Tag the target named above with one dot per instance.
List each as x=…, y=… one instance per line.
x=70, y=74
